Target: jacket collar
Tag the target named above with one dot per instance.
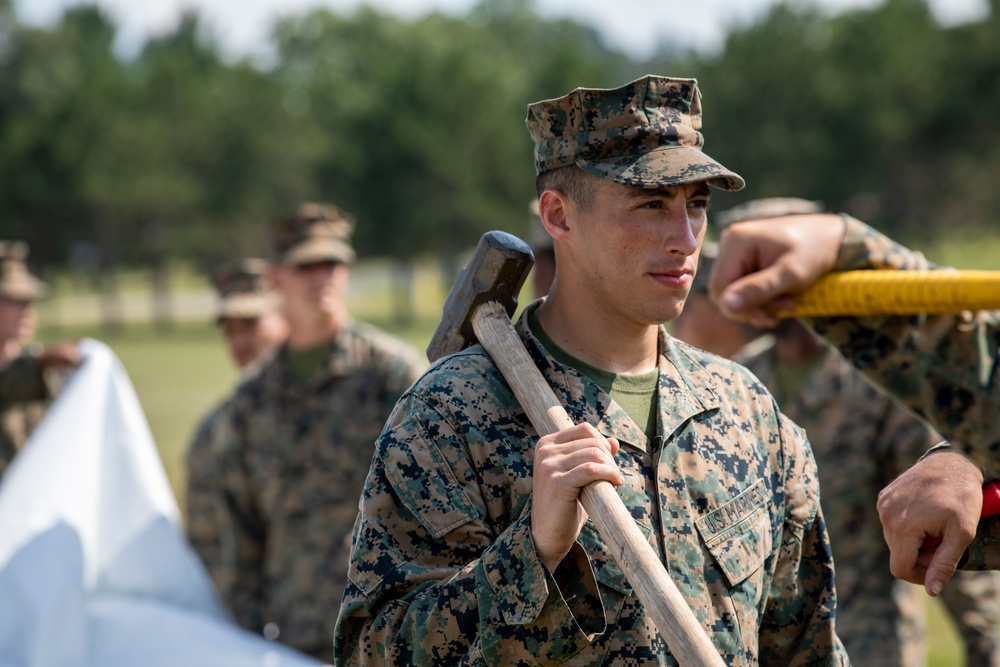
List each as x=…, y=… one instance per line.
x=685, y=389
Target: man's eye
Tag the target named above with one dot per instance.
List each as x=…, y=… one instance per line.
x=699, y=203
x=655, y=203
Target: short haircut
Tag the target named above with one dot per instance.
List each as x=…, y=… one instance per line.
x=572, y=181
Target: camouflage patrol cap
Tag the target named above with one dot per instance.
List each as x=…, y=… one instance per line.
x=769, y=207
x=16, y=282
x=644, y=134
x=313, y=233
x=243, y=289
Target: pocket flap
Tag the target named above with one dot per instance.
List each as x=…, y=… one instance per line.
x=739, y=533
x=423, y=480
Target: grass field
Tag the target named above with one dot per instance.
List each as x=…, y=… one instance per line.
x=182, y=372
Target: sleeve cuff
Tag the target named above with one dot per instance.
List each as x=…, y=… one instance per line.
x=524, y=587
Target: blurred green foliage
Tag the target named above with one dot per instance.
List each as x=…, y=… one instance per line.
x=416, y=125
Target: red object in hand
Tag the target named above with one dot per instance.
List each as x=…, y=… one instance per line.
x=991, y=507
x=991, y=499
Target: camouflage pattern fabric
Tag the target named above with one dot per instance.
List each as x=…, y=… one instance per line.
x=203, y=512
x=315, y=232
x=443, y=570
x=24, y=398
x=286, y=468
x=976, y=622
x=862, y=440
x=643, y=134
x=243, y=289
x=944, y=368
x=16, y=281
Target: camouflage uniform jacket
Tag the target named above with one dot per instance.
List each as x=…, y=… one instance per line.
x=443, y=569
x=287, y=466
x=204, y=514
x=861, y=440
x=945, y=368
x=24, y=396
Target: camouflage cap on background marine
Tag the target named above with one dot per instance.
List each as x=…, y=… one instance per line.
x=644, y=134
x=243, y=289
x=768, y=207
x=16, y=282
x=313, y=233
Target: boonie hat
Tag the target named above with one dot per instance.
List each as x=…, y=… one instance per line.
x=768, y=207
x=644, y=134
x=243, y=289
x=314, y=233
x=16, y=282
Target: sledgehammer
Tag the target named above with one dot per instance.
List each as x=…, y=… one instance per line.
x=479, y=307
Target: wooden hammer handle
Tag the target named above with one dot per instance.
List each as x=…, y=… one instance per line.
x=685, y=636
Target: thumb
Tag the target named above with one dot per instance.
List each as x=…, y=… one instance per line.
x=943, y=565
x=753, y=296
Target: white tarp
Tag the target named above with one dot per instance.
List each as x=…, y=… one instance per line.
x=94, y=568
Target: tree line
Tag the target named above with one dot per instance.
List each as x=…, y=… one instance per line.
x=416, y=126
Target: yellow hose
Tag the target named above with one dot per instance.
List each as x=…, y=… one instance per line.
x=898, y=293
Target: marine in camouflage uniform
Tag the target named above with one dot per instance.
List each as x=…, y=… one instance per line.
x=447, y=567
x=24, y=397
x=28, y=378
x=945, y=368
x=291, y=451
x=862, y=440
x=247, y=313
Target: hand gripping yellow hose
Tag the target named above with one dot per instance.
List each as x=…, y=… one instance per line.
x=898, y=293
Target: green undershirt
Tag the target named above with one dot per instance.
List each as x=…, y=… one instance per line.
x=302, y=364
x=636, y=394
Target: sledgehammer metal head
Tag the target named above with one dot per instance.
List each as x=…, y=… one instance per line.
x=496, y=272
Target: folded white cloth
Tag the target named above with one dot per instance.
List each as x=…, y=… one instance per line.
x=94, y=567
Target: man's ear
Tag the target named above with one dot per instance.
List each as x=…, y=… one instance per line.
x=555, y=209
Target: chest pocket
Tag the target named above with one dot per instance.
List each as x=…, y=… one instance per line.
x=738, y=534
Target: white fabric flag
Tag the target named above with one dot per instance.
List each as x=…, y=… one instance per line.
x=94, y=567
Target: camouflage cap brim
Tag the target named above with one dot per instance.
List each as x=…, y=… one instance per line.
x=664, y=167
x=247, y=305
x=22, y=288
x=318, y=250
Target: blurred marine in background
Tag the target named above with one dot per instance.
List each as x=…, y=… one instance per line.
x=28, y=371
x=290, y=457
x=249, y=316
x=862, y=440
x=946, y=368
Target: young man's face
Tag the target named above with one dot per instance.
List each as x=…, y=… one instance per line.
x=17, y=320
x=248, y=338
x=636, y=249
x=312, y=290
